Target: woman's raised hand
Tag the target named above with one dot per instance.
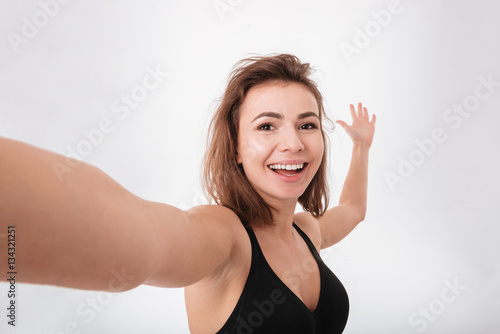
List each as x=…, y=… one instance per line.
x=362, y=129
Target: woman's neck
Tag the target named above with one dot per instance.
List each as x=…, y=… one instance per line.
x=282, y=229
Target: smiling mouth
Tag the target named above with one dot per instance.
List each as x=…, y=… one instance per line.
x=288, y=170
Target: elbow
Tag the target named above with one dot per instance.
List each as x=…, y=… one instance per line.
x=355, y=212
x=359, y=213
x=362, y=216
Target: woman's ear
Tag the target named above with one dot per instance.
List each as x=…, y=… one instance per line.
x=238, y=159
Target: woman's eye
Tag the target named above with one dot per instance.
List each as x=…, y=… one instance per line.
x=265, y=127
x=308, y=126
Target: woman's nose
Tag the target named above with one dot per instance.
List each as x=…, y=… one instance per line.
x=290, y=141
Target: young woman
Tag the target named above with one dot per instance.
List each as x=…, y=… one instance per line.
x=249, y=263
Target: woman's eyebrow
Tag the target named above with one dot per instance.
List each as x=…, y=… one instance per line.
x=280, y=116
x=307, y=114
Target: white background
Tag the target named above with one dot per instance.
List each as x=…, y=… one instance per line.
x=438, y=223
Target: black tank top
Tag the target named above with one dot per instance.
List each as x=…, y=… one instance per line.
x=268, y=306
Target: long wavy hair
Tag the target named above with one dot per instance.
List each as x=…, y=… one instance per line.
x=223, y=180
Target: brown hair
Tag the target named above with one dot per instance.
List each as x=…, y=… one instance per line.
x=224, y=180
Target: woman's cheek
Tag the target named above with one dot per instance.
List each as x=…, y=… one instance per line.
x=256, y=146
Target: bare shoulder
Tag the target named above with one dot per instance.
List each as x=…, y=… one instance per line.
x=222, y=221
x=310, y=226
x=214, y=212
x=193, y=245
x=217, y=216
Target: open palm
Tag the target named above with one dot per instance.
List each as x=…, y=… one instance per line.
x=362, y=129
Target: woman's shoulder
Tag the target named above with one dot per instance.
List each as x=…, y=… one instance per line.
x=214, y=212
x=222, y=222
x=219, y=216
x=310, y=226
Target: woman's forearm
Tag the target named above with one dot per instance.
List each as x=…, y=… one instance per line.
x=354, y=191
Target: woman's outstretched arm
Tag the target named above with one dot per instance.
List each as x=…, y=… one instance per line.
x=86, y=231
x=340, y=220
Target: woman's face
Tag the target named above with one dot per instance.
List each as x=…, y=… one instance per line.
x=280, y=143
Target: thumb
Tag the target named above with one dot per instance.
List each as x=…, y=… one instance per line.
x=343, y=124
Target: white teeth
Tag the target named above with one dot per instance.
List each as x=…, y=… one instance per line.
x=287, y=167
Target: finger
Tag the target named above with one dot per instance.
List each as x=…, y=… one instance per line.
x=360, y=110
x=342, y=123
x=365, y=114
x=374, y=119
x=353, y=112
